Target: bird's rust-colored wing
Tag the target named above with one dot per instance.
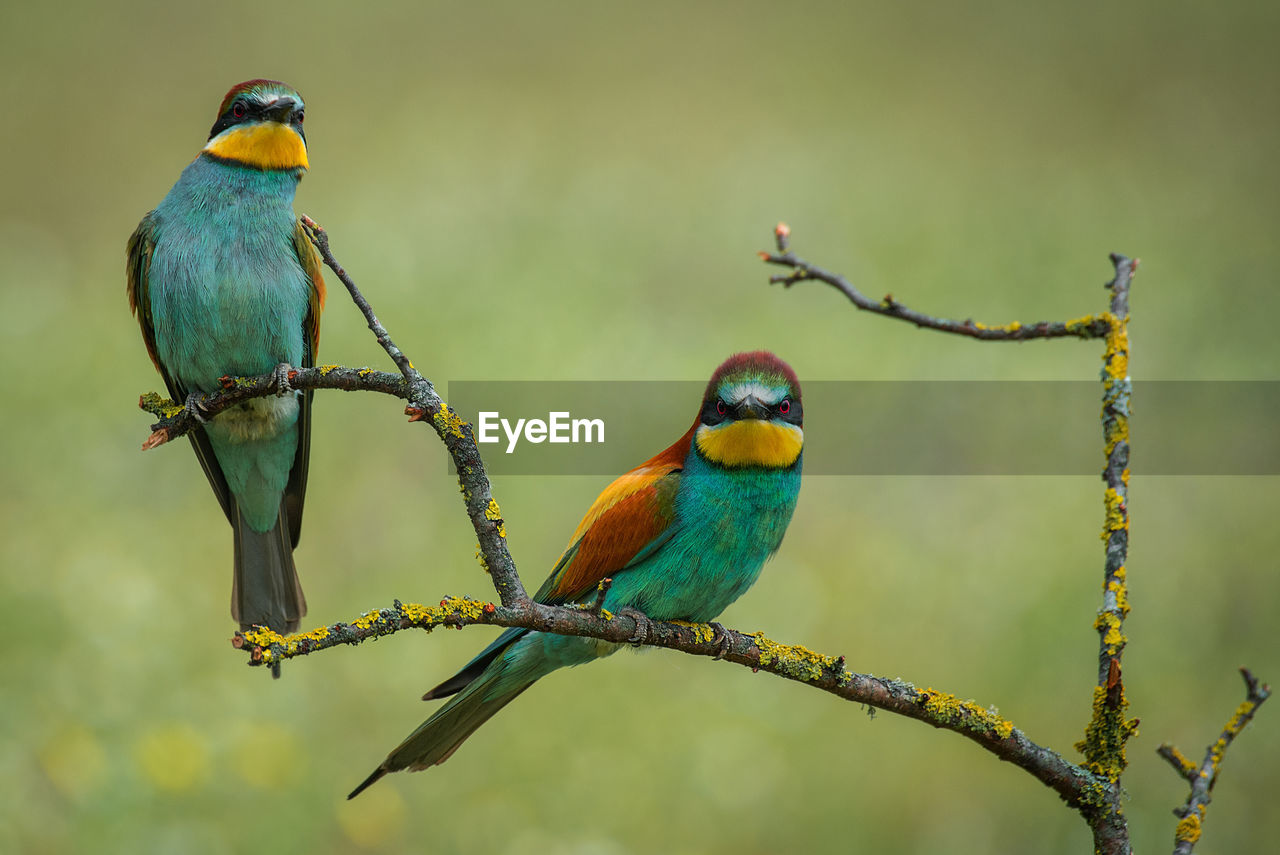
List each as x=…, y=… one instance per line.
x=295, y=491
x=630, y=519
x=310, y=261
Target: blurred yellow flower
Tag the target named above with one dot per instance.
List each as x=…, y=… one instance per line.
x=173, y=756
x=74, y=760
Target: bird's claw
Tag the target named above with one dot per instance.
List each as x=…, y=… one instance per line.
x=720, y=636
x=281, y=375
x=642, y=625
x=195, y=407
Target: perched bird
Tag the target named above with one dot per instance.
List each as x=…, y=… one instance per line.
x=682, y=536
x=224, y=281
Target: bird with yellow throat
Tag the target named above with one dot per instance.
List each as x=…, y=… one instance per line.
x=224, y=282
x=681, y=536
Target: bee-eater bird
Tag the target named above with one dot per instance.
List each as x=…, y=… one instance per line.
x=224, y=281
x=682, y=536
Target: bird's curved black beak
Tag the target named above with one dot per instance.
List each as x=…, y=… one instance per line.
x=281, y=109
x=750, y=408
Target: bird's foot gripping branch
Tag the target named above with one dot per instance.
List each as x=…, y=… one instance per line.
x=1092, y=787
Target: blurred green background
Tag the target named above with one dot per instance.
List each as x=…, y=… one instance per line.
x=577, y=191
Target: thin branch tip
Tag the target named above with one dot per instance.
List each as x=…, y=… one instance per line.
x=1089, y=328
x=782, y=235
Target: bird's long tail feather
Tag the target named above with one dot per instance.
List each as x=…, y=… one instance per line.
x=439, y=736
x=265, y=590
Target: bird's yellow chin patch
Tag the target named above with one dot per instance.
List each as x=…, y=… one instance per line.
x=266, y=145
x=751, y=442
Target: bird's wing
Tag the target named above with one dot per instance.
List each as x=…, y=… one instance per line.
x=142, y=245
x=296, y=489
x=625, y=524
x=310, y=261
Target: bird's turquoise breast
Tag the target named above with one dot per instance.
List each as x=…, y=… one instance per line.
x=727, y=523
x=228, y=295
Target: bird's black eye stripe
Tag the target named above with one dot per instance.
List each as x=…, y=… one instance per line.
x=239, y=110
x=714, y=411
x=789, y=410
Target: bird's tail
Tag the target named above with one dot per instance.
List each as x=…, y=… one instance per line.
x=439, y=736
x=265, y=590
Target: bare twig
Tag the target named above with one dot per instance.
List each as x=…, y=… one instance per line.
x=1204, y=776
x=1091, y=326
x=320, y=238
x=456, y=434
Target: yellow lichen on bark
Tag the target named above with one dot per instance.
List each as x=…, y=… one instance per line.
x=1188, y=829
x=1116, y=518
x=794, y=660
x=494, y=514
x=448, y=422
x=702, y=633
x=948, y=709
x=1106, y=735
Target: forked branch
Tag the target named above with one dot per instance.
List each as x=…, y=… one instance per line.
x=1204, y=776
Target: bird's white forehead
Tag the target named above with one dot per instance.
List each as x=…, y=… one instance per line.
x=736, y=393
x=268, y=94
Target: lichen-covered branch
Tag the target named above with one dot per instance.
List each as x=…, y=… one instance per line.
x=1076, y=785
x=1109, y=730
x=1203, y=777
x=176, y=419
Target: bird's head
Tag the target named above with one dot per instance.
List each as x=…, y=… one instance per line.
x=752, y=414
x=260, y=126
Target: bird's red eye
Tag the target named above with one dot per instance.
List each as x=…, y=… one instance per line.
x=300, y=117
x=784, y=407
x=721, y=409
x=238, y=110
